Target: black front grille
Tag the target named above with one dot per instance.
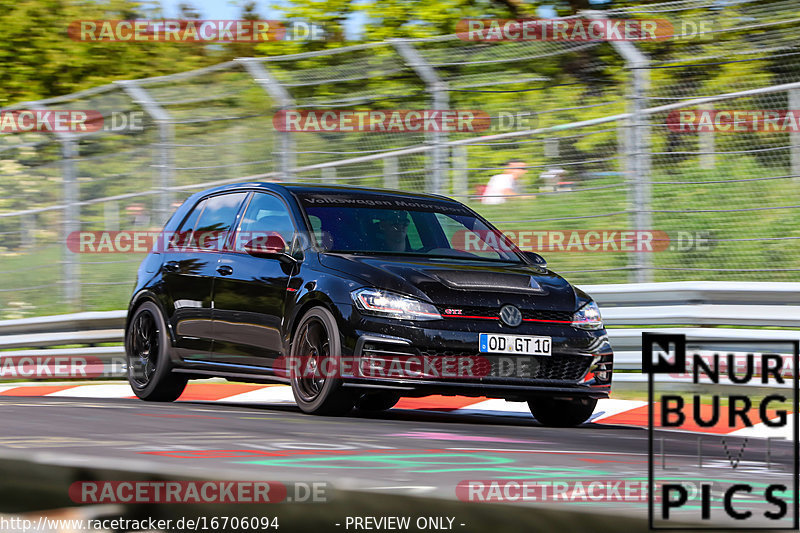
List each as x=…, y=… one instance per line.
x=544, y=314
x=387, y=350
x=563, y=367
x=542, y=367
x=470, y=310
x=494, y=312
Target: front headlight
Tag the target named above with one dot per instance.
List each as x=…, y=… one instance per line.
x=588, y=317
x=389, y=304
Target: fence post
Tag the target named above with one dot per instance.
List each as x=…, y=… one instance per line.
x=706, y=143
x=71, y=222
x=794, y=135
x=642, y=219
x=551, y=148
x=638, y=164
x=27, y=229
x=111, y=215
x=390, y=180
x=328, y=175
x=460, y=165
x=284, y=146
x=624, y=145
x=440, y=100
x=166, y=138
x=70, y=265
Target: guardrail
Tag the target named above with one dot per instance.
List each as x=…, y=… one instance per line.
x=77, y=335
x=695, y=303
x=646, y=305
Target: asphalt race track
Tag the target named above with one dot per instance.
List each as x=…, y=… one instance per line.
x=399, y=451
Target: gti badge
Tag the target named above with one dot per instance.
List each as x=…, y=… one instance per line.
x=510, y=316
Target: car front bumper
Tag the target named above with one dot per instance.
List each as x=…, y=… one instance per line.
x=581, y=363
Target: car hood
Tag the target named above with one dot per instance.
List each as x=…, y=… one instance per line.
x=460, y=283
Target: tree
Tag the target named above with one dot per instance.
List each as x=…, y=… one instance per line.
x=38, y=58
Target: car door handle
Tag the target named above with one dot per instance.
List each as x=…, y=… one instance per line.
x=172, y=266
x=225, y=270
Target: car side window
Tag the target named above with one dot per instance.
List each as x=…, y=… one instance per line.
x=182, y=236
x=215, y=222
x=265, y=213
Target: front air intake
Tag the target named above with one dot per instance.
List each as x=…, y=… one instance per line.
x=466, y=280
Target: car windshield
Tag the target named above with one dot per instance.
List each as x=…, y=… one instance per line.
x=371, y=224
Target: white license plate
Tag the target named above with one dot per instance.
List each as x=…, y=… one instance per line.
x=524, y=344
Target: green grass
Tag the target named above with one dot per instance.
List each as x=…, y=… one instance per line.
x=115, y=282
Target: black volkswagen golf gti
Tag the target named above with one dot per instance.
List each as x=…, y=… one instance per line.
x=357, y=297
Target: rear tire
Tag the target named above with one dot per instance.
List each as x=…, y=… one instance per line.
x=377, y=401
x=147, y=350
x=317, y=345
x=562, y=413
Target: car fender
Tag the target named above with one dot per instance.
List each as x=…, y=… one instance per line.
x=325, y=290
x=148, y=295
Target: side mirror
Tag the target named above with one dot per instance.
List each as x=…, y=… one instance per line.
x=270, y=246
x=536, y=259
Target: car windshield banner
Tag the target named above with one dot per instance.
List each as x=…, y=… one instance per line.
x=380, y=202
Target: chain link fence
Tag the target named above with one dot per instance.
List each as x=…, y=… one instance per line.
x=593, y=122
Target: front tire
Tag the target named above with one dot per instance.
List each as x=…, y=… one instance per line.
x=562, y=413
x=147, y=352
x=314, y=357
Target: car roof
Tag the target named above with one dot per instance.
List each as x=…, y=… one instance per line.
x=306, y=188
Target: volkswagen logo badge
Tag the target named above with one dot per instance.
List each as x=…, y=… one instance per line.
x=510, y=316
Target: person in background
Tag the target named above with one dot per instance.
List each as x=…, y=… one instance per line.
x=505, y=185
